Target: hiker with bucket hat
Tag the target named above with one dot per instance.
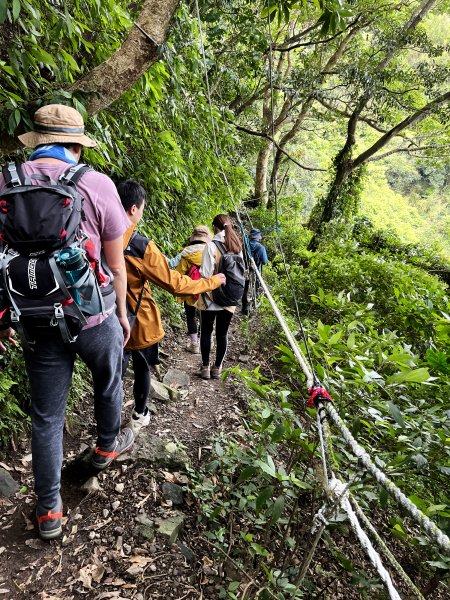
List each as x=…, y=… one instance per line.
x=189, y=262
x=57, y=141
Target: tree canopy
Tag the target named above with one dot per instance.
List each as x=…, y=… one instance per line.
x=327, y=122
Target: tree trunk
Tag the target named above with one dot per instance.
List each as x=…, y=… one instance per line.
x=334, y=203
x=329, y=66
x=262, y=167
x=110, y=79
x=287, y=137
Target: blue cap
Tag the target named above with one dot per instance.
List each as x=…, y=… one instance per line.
x=255, y=234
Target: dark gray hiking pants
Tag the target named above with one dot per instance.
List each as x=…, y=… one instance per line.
x=50, y=369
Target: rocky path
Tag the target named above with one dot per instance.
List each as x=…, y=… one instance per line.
x=130, y=532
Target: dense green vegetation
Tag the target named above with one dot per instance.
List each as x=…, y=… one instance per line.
x=373, y=294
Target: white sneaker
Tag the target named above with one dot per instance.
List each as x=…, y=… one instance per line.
x=138, y=421
x=193, y=347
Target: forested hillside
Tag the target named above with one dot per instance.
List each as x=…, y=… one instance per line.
x=326, y=125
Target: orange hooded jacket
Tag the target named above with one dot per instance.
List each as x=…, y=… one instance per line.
x=146, y=263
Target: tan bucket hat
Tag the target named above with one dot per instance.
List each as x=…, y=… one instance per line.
x=57, y=124
x=201, y=233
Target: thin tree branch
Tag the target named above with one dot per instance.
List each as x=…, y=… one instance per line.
x=348, y=114
x=301, y=44
x=408, y=151
x=413, y=119
x=268, y=137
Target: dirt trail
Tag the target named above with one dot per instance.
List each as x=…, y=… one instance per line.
x=111, y=546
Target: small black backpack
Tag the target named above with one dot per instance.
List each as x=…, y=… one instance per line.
x=47, y=283
x=233, y=267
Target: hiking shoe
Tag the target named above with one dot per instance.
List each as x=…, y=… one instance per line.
x=205, y=372
x=193, y=348
x=103, y=457
x=50, y=521
x=139, y=420
x=216, y=372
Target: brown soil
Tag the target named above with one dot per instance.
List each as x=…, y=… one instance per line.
x=101, y=554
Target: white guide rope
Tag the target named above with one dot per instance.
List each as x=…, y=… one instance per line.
x=421, y=519
x=337, y=488
x=431, y=528
x=291, y=339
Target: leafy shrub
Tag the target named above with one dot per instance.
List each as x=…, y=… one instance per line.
x=14, y=395
x=404, y=298
x=389, y=245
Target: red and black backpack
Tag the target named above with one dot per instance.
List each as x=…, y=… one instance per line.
x=47, y=283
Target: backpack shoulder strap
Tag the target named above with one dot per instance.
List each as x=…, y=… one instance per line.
x=74, y=173
x=138, y=304
x=13, y=174
x=220, y=246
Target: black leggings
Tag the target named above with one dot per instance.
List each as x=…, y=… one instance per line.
x=223, y=321
x=191, y=321
x=142, y=361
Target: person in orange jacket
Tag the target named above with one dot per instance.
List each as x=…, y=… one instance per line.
x=145, y=263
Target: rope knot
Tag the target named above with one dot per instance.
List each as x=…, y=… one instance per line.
x=316, y=395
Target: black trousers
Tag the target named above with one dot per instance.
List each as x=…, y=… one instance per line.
x=142, y=361
x=191, y=320
x=222, y=318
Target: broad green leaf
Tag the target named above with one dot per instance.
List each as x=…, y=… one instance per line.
x=260, y=551
x=266, y=468
x=277, y=509
x=411, y=376
x=401, y=359
x=219, y=450
x=266, y=423
x=263, y=497
x=396, y=413
x=421, y=504
x=3, y=10
x=246, y=473
x=334, y=339
x=43, y=56
x=439, y=564
x=16, y=9
x=278, y=433
x=351, y=340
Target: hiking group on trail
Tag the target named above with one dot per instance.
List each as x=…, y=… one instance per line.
x=74, y=280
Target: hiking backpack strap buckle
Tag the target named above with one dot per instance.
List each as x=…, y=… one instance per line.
x=27, y=343
x=59, y=321
x=12, y=174
x=72, y=175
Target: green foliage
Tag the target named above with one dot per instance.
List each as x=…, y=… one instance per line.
x=378, y=331
x=374, y=313
x=332, y=17
x=47, y=45
x=255, y=479
x=403, y=298
x=389, y=245
x=13, y=395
